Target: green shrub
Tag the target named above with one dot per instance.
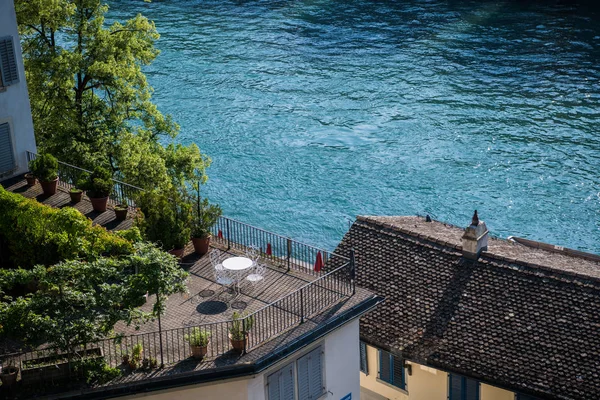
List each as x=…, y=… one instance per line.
x=96, y=371
x=32, y=233
x=98, y=184
x=44, y=167
x=165, y=220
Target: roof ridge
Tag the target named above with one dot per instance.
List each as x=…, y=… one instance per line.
x=413, y=236
x=486, y=255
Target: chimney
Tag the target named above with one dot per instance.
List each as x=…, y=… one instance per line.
x=475, y=238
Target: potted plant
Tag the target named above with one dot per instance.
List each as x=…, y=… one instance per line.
x=76, y=195
x=98, y=186
x=8, y=375
x=135, y=359
x=165, y=219
x=121, y=212
x=198, y=339
x=238, y=333
x=30, y=178
x=45, y=168
x=205, y=217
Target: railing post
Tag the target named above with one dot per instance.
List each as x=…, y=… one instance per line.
x=228, y=234
x=245, y=336
x=353, y=271
x=289, y=253
x=302, y=305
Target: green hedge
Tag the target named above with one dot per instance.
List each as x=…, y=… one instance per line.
x=32, y=233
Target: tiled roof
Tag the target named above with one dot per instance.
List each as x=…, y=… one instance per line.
x=520, y=318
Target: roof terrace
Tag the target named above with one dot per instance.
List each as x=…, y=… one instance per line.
x=293, y=306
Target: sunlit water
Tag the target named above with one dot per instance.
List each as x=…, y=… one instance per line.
x=316, y=111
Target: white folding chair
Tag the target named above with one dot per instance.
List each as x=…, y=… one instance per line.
x=221, y=275
x=257, y=275
x=253, y=253
x=215, y=259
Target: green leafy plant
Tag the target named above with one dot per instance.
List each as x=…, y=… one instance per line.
x=165, y=219
x=95, y=370
x=44, y=167
x=98, y=184
x=75, y=190
x=198, y=337
x=241, y=325
x=81, y=302
x=33, y=233
x=205, y=217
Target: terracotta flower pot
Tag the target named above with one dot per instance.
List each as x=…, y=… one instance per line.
x=76, y=196
x=239, y=346
x=30, y=179
x=177, y=252
x=49, y=187
x=198, y=352
x=201, y=245
x=121, y=213
x=99, y=203
x=8, y=376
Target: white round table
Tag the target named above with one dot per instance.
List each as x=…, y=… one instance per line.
x=237, y=265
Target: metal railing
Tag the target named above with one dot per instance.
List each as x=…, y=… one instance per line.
x=169, y=347
x=280, y=250
x=68, y=175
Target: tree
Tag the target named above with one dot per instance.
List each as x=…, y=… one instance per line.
x=90, y=100
x=80, y=302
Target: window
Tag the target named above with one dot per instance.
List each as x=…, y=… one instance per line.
x=462, y=388
x=7, y=156
x=302, y=379
x=391, y=369
x=310, y=375
x=280, y=385
x=8, y=62
x=364, y=366
x=521, y=396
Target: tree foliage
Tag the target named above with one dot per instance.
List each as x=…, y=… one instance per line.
x=80, y=302
x=90, y=100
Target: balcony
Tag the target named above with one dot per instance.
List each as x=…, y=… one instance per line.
x=292, y=307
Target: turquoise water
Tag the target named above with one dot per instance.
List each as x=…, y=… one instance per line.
x=316, y=111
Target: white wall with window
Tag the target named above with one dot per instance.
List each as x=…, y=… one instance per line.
x=326, y=369
x=16, y=126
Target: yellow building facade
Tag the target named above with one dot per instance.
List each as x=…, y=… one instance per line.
x=421, y=383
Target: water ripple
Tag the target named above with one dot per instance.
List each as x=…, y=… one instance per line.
x=316, y=111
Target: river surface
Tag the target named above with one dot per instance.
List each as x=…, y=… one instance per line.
x=316, y=111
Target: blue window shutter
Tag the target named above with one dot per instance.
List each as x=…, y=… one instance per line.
x=287, y=383
x=273, y=388
x=8, y=62
x=310, y=375
x=385, y=368
x=303, y=380
x=455, y=389
x=521, y=396
x=471, y=389
x=280, y=384
x=399, y=379
x=315, y=370
x=364, y=365
x=7, y=157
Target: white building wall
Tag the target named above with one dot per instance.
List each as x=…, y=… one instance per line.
x=341, y=374
x=14, y=100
